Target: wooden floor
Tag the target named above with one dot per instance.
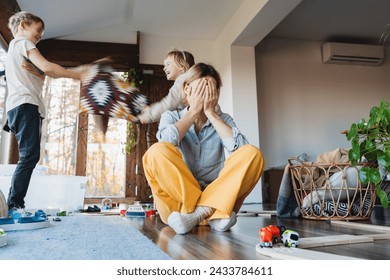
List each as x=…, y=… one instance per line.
x=239, y=242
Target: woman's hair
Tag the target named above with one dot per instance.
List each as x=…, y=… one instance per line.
x=201, y=70
x=182, y=58
x=26, y=17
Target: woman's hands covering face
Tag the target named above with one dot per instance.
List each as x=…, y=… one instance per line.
x=202, y=94
x=211, y=96
x=196, y=94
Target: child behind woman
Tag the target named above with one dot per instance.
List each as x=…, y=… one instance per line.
x=176, y=63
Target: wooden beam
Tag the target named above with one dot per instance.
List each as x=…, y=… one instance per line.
x=82, y=140
x=68, y=53
x=132, y=188
x=141, y=181
x=7, y=9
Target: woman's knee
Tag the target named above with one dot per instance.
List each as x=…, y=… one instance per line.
x=157, y=150
x=251, y=152
x=253, y=156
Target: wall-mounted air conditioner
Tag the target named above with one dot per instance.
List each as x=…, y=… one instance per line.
x=342, y=53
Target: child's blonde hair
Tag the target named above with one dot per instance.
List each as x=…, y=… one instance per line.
x=182, y=58
x=26, y=17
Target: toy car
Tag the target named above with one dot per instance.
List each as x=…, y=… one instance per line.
x=290, y=238
x=3, y=238
x=270, y=235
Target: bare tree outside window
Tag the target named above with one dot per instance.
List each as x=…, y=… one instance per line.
x=105, y=159
x=3, y=91
x=59, y=129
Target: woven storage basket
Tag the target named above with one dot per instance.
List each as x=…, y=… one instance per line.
x=331, y=191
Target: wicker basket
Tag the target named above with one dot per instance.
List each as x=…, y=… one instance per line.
x=331, y=191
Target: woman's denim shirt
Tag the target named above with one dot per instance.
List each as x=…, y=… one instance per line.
x=205, y=152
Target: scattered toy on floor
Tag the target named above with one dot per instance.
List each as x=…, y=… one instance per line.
x=61, y=213
x=91, y=209
x=135, y=210
x=3, y=238
x=270, y=235
x=107, y=204
x=290, y=238
x=19, y=219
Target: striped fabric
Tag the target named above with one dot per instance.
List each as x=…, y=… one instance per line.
x=341, y=209
x=103, y=93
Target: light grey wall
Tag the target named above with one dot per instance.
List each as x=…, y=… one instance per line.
x=304, y=104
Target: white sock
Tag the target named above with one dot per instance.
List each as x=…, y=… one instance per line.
x=183, y=223
x=223, y=224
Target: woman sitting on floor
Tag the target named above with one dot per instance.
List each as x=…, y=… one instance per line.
x=190, y=175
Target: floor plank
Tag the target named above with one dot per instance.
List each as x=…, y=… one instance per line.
x=239, y=243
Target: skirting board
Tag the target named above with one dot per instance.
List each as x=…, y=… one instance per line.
x=281, y=252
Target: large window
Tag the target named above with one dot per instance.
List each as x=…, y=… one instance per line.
x=59, y=131
x=105, y=159
x=3, y=91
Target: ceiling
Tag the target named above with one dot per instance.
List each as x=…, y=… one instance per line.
x=354, y=21
x=199, y=19
x=322, y=20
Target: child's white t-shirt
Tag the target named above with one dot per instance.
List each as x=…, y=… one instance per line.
x=23, y=86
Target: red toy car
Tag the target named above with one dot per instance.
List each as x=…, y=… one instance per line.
x=270, y=235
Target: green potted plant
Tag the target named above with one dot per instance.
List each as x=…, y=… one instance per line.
x=370, y=140
x=134, y=77
x=131, y=139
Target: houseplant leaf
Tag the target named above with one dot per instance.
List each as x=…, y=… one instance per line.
x=382, y=197
x=352, y=132
x=354, y=156
x=384, y=159
x=374, y=176
x=370, y=143
x=364, y=175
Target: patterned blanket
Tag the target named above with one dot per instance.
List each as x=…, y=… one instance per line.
x=104, y=93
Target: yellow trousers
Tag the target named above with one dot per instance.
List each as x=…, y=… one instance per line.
x=174, y=187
